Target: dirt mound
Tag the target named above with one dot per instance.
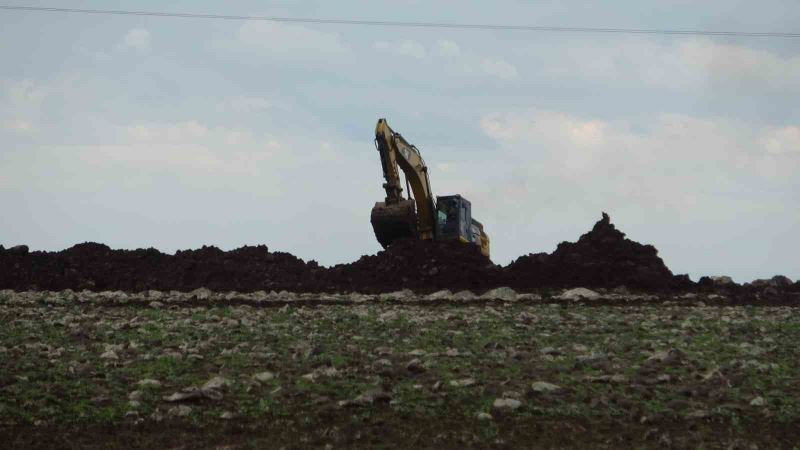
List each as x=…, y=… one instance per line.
x=97, y=267
x=603, y=257
x=777, y=287
x=417, y=265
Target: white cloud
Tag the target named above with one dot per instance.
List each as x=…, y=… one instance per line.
x=138, y=39
x=500, y=68
x=678, y=64
x=189, y=150
x=739, y=63
x=292, y=41
x=21, y=104
x=448, y=48
x=178, y=132
x=452, y=61
x=782, y=140
x=247, y=105
x=20, y=126
x=672, y=163
x=24, y=93
x=404, y=47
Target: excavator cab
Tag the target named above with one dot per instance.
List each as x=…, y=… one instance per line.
x=454, y=222
x=453, y=218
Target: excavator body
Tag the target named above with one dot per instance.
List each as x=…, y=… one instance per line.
x=420, y=217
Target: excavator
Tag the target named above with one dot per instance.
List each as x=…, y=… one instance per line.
x=418, y=217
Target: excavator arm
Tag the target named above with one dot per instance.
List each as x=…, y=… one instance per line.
x=396, y=218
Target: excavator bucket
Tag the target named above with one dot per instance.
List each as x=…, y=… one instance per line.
x=393, y=222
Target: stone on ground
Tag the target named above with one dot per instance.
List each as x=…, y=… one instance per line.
x=578, y=294
x=543, y=386
x=216, y=382
x=180, y=411
x=464, y=295
x=440, y=295
x=148, y=382
x=501, y=293
x=483, y=416
x=405, y=294
x=264, y=376
x=463, y=382
x=508, y=404
x=201, y=293
x=110, y=355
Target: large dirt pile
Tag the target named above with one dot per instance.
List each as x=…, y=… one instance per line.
x=603, y=257
x=97, y=267
x=417, y=265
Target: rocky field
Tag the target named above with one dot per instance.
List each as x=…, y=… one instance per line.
x=547, y=368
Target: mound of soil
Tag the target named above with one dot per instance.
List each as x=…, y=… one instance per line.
x=770, y=289
x=601, y=258
x=417, y=265
x=97, y=267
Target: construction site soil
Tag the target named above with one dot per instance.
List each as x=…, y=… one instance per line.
x=601, y=258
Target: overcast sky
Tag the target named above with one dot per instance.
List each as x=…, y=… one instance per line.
x=174, y=133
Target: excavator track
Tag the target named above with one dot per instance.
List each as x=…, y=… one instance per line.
x=394, y=222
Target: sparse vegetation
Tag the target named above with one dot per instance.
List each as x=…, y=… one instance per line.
x=344, y=375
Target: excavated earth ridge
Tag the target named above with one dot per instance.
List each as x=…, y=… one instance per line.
x=603, y=258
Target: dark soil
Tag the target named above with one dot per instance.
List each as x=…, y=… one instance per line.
x=601, y=258
x=414, y=432
x=97, y=267
x=420, y=266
